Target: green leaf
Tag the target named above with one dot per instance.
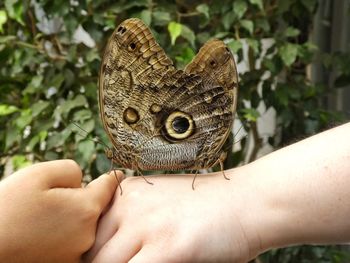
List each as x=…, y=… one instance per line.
x=282, y=94
x=82, y=115
x=34, y=85
x=38, y=107
x=38, y=138
x=3, y=20
x=174, y=31
x=251, y=114
x=7, y=109
x=56, y=81
x=85, y=152
x=161, y=18
x=24, y=119
x=311, y=127
x=259, y=3
x=51, y=155
x=227, y=20
x=91, y=55
x=188, y=34
x=43, y=135
x=284, y=6
x=68, y=105
x=248, y=25
x=15, y=10
x=307, y=51
x=235, y=46
x=310, y=5
x=273, y=65
x=88, y=126
x=20, y=161
x=239, y=8
x=146, y=16
x=288, y=53
x=254, y=44
x=203, y=37
x=58, y=139
x=263, y=23
x=203, y=9
x=121, y=6
x=220, y=35
x=102, y=163
x=12, y=136
x=186, y=56
x=291, y=32
x=32, y=143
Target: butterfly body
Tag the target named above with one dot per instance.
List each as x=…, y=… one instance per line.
x=161, y=118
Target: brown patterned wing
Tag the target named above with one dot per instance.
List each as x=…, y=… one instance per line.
x=157, y=117
x=215, y=64
x=132, y=61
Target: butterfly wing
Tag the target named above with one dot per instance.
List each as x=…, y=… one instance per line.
x=215, y=64
x=197, y=111
x=158, y=117
x=133, y=61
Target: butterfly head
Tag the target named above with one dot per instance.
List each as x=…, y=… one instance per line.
x=109, y=153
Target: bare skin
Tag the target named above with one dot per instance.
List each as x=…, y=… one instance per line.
x=45, y=215
x=296, y=195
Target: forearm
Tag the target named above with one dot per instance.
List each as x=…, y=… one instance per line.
x=305, y=191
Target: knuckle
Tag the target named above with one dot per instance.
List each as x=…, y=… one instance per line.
x=92, y=212
x=72, y=164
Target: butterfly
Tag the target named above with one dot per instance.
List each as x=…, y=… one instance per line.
x=159, y=117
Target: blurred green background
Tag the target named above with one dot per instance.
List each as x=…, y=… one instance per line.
x=293, y=58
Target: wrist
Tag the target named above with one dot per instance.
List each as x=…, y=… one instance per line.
x=267, y=217
x=251, y=209
x=266, y=222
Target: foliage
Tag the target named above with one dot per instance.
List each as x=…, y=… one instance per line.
x=50, y=52
x=307, y=254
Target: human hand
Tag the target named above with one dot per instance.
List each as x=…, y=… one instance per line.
x=169, y=222
x=296, y=195
x=45, y=215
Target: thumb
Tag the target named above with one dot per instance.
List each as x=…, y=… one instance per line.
x=102, y=189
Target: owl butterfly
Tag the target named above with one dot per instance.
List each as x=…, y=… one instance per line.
x=159, y=117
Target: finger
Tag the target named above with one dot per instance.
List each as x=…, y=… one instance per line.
x=102, y=189
x=59, y=173
x=107, y=227
x=120, y=248
x=149, y=254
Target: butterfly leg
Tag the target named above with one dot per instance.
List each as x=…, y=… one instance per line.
x=194, y=178
x=222, y=169
x=221, y=162
x=144, y=178
x=115, y=174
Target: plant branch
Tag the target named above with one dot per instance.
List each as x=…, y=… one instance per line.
x=257, y=141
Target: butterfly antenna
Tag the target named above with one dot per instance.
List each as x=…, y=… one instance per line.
x=95, y=139
x=231, y=138
x=78, y=126
x=239, y=129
